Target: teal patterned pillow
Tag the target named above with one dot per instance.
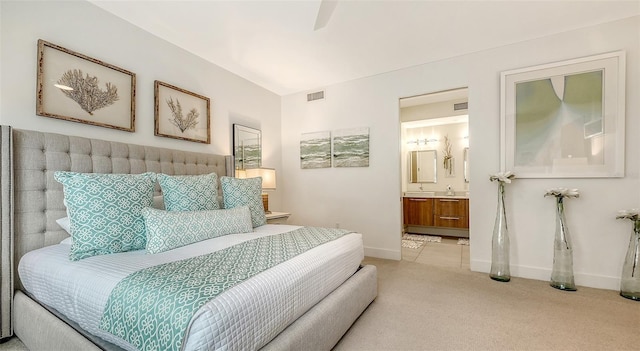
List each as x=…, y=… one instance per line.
x=189, y=192
x=244, y=192
x=168, y=230
x=104, y=210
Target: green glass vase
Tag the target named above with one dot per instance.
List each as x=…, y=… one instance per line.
x=562, y=272
x=630, y=279
x=500, y=242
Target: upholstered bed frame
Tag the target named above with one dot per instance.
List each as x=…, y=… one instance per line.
x=31, y=201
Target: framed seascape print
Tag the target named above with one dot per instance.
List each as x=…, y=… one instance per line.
x=564, y=119
x=315, y=150
x=351, y=147
x=181, y=114
x=78, y=88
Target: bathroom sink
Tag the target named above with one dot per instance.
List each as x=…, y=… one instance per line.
x=419, y=193
x=444, y=193
x=456, y=194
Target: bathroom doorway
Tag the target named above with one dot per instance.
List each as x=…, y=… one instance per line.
x=435, y=178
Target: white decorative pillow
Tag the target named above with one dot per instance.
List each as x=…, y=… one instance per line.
x=65, y=224
x=168, y=230
x=189, y=192
x=104, y=211
x=244, y=192
x=158, y=202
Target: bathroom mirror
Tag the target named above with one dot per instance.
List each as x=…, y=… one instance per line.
x=422, y=166
x=247, y=147
x=465, y=164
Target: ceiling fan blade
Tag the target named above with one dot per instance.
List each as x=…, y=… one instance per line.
x=324, y=13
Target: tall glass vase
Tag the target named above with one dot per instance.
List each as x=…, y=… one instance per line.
x=630, y=280
x=562, y=273
x=500, y=242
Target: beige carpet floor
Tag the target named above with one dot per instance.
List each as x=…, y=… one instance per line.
x=422, y=307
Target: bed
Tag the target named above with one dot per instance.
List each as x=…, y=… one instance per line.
x=32, y=201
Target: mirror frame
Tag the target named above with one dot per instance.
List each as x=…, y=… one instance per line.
x=465, y=164
x=241, y=134
x=410, y=164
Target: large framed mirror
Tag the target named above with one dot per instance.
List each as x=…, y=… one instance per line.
x=247, y=147
x=423, y=166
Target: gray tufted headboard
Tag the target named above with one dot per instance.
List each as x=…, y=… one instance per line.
x=32, y=200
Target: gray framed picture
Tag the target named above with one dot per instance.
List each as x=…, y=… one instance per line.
x=315, y=150
x=565, y=119
x=78, y=88
x=351, y=147
x=181, y=114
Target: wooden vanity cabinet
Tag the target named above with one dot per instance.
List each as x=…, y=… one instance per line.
x=436, y=212
x=418, y=211
x=452, y=213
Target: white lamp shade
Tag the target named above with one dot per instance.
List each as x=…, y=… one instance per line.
x=241, y=173
x=268, y=177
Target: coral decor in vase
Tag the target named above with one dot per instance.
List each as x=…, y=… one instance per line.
x=500, y=241
x=447, y=160
x=630, y=279
x=562, y=272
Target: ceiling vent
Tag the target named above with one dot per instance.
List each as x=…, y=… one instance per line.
x=318, y=95
x=461, y=106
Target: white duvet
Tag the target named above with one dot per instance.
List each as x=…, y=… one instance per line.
x=245, y=317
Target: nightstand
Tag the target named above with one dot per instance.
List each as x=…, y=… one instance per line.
x=277, y=217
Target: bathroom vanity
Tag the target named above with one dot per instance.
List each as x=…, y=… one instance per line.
x=436, y=214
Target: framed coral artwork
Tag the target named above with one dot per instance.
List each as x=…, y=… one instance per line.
x=181, y=114
x=78, y=88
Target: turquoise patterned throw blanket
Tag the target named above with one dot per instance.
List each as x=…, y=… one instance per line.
x=152, y=308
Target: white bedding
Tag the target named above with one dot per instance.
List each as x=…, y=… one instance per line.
x=245, y=317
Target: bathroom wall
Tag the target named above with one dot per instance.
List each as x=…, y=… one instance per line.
x=458, y=134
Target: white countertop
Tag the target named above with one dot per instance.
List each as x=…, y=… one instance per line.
x=436, y=195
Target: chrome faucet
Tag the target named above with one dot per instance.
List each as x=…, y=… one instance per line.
x=450, y=191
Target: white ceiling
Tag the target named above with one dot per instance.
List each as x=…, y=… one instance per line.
x=273, y=44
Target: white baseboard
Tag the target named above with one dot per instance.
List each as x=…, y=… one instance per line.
x=383, y=253
x=537, y=273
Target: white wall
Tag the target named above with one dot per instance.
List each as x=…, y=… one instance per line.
x=82, y=27
x=368, y=199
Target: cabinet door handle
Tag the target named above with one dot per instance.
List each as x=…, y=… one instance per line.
x=421, y=200
x=453, y=218
x=449, y=200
